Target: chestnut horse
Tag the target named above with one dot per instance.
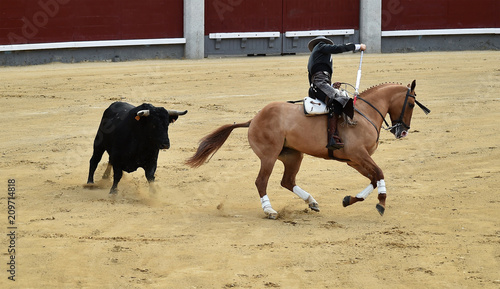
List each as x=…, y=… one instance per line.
x=282, y=131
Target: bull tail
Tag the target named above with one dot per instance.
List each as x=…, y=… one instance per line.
x=211, y=143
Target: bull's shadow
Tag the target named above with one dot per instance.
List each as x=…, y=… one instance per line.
x=132, y=137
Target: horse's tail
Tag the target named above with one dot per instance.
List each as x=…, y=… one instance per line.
x=211, y=143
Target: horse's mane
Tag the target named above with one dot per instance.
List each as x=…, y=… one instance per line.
x=381, y=85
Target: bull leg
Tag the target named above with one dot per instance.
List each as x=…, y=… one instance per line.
x=292, y=160
x=94, y=161
x=150, y=172
x=117, y=175
x=370, y=170
x=107, y=171
x=150, y=176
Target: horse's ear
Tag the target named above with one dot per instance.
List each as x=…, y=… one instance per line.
x=413, y=84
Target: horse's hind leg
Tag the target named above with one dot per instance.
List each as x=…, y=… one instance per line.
x=292, y=160
x=266, y=168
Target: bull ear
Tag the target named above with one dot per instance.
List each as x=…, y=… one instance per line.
x=413, y=84
x=173, y=115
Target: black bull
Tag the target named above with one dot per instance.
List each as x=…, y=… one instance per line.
x=133, y=137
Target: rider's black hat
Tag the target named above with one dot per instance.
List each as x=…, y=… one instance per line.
x=317, y=40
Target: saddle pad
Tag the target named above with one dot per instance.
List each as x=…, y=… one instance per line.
x=314, y=107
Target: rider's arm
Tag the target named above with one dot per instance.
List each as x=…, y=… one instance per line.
x=334, y=49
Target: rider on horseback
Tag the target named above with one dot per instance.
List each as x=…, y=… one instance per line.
x=320, y=68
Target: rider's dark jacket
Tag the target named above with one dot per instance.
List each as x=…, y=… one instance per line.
x=320, y=68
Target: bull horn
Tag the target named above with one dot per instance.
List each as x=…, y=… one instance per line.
x=143, y=112
x=176, y=112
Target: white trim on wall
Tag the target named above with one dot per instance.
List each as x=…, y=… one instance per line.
x=440, y=32
x=86, y=44
x=234, y=35
x=319, y=33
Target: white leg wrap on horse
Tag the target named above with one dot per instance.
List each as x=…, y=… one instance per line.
x=266, y=206
x=301, y=193
x=311, y=200
x=381, y=187
x=265, y=202
x=366, y=192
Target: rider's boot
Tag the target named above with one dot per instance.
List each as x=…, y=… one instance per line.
x=348, y=109
x=334, y=141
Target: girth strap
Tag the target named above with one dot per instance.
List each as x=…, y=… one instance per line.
x=332, y=157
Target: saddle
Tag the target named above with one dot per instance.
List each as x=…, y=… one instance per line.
x=314, y=104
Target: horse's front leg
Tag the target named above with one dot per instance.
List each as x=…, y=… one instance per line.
x=376, y=176
x=381, y=199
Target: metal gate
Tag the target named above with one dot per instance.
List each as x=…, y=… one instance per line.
x=256, y=27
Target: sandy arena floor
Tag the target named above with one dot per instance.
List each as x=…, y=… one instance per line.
x=204, y=228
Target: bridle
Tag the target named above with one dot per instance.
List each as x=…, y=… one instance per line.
x=399, y=122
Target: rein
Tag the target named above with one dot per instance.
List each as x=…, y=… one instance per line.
x=378, y=111
x=374, y=126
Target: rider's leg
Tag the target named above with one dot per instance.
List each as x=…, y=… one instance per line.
x=334, y=141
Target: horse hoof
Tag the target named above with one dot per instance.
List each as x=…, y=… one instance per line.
x=380, y=209
x=314, y=207
x=347, y=201
x=270, y=213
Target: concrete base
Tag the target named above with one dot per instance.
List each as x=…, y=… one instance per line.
x=266, y=46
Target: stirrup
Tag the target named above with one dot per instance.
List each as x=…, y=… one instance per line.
x=334, y=143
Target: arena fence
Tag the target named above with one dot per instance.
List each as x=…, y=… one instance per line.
x=41, y=31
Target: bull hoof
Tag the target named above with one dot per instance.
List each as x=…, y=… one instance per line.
x=314, y=207
x=90, y=186
x=380, y=209
x=347, y=201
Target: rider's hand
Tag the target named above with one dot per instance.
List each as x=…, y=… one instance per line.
x=362, y=47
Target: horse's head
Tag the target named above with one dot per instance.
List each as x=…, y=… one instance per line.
x=402, y=111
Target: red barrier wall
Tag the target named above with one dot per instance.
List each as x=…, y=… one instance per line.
x=41, y=21
x=439, y=14
x=279, y=15
x=300, y=15
x=242, y=15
